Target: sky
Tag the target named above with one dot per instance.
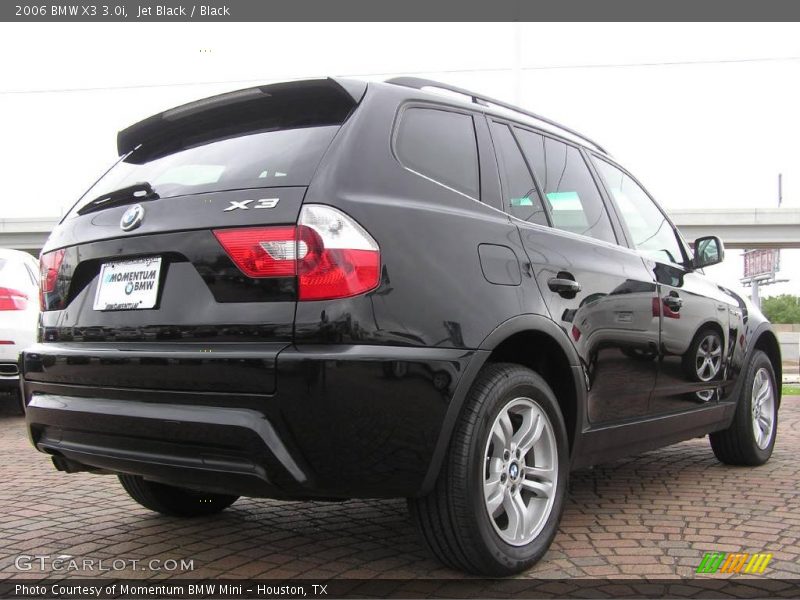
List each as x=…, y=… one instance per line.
x=705, y=115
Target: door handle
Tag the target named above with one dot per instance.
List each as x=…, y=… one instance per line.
x=563, y=286
x=673, y=302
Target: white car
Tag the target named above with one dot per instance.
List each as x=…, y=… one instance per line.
x=19, y=314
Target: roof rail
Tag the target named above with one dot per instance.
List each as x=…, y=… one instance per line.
x=419, y=83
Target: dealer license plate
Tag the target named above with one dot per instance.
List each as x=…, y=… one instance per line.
x=128, y=285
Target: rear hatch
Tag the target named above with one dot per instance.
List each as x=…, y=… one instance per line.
x=136, y=274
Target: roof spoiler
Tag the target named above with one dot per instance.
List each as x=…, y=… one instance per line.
x=280, y=105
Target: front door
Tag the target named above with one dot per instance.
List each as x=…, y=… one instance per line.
x=695, y=340
x=600, y=293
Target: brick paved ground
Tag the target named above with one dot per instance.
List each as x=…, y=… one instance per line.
x=651, y=515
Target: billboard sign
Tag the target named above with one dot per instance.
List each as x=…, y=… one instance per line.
x=760, y=263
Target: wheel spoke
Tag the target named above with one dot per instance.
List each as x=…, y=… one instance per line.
x=763, y=392
x=539, y=473
x=501, y=433
x=530, y=432
x=704, y=369
x=493, y=492
x=538, y=480
x=517, y=515
x=495, y=465
x=765, y=424
x=542, y=489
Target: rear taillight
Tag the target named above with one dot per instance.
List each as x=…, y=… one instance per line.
x=331, y=255
x=11, y=299
x=49, y=266
x=337, y=258
x=261, y=251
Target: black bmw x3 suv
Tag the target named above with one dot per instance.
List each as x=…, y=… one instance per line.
x=330, y=289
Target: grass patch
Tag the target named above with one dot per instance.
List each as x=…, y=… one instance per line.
x=791, y=390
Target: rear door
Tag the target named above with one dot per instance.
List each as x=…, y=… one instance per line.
x=598, y=291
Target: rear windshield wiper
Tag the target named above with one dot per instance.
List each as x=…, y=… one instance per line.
x=138, y=192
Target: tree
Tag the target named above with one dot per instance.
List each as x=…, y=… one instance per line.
x=782, y=309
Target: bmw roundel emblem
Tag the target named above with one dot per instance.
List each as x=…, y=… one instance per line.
x=132, y=218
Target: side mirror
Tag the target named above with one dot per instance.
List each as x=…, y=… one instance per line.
x=708, y=250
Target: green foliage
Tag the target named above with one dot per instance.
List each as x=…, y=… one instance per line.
x=782, y=309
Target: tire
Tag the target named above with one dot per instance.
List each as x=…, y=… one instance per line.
x=739, y=444
x=174, y=501
x=706, y=343
x=454, y=520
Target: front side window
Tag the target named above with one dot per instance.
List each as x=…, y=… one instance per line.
x=651, y=232
x=441, y=146
x=568, y=186
x=521, y=198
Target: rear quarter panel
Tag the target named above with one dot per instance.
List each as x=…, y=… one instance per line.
x=432, y=291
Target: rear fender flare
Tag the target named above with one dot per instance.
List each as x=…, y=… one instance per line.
x=518, y=324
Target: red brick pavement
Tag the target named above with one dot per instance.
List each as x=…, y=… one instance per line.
x=655, y=514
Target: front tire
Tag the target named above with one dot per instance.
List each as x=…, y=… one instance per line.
x=496, y=505
x=750, y=439
x=174, y=501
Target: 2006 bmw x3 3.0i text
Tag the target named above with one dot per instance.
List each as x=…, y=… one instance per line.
x=330, y=289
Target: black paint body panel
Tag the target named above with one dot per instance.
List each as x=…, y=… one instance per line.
x=359, y=396
x=347, y=420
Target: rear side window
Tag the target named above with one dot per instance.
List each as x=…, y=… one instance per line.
x=441, y=146
x=283, y=157
x=574, y=200
x=521, y=198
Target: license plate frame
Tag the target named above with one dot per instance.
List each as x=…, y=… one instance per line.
x=128, y=284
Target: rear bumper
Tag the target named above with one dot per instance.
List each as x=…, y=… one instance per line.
x=9, y=375
x=192, y=446
x=344, y=421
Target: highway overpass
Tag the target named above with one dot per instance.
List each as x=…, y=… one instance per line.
x=742, y=227
x=738, y=227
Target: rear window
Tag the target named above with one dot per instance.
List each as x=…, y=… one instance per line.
x=441, y=146
x=285, y=157
x=15, y=274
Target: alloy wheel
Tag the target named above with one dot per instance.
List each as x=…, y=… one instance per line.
x=763, y=408
x=520, y=474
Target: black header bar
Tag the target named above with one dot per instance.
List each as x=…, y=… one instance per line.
x=399, y=10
